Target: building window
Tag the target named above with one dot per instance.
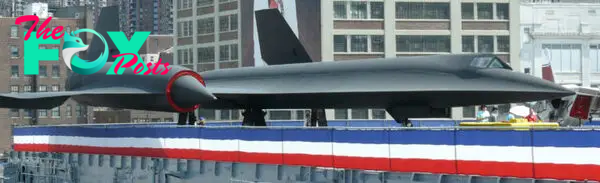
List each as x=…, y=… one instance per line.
x=469, y=112
x=55, y=71
x=360, y=113
x=43, y=71
x=185, y=29
x=280, y=115
x=502, y=11
x=234, y=52
x=485, y=11
x=378, y=113
x=42, y=113
x=564, y=57
x=485, y=44
x=206, y=54
x=340, y=43
x=14, y=51
x=27, y=88
x=419, y=10
x=422, y=43
x=185, y=56
x=202, y=3
x=79, y=110
x=228, y=23
x=468, y=10
x=224, y=53
x=359, y=43
x=180, y=56
x=55, y=88
x=206, y=26
x=68, y=111
x=56, y=112
x=503, y=43
x=358, y=10
x=184, y=4
x=339, y=9
x=14, y=71
x=340, y=113
x=43, y=88
x=468, y=44
x=376, y=10
x=377, y=43
x=228, y=52
x=14, y=88
x=14, y=31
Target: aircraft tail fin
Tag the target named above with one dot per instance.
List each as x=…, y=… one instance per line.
x=108, y=20
x=278, y=43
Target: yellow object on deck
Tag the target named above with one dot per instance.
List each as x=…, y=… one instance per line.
x=516, y=125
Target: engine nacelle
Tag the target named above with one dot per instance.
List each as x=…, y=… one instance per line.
x=186, y=90
x=181, y=90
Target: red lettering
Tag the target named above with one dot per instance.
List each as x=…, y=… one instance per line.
x=126, y=65
x=57, y=30
x=149, y=70
x=155, y=69
x=118, y=65
x=43, y=31
x=28, y=18
x=152, y=67
x=139, y=68
x=167, y=69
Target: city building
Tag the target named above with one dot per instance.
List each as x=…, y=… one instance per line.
x=12, y=8
x=146, y=15
x=39, y=9
x=210, y=34
x=52, y=77
x=564, y=34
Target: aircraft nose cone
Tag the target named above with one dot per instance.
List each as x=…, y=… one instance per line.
x=529, y=88
x=188, y=91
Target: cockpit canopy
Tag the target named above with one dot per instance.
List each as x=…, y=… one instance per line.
x=489, y=62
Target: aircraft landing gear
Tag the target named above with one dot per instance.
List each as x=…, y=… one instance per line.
x=254, y=117
x=318, y=118
x=405, y=122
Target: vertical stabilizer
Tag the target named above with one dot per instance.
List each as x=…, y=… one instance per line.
x=107, y=21
x=278, y=42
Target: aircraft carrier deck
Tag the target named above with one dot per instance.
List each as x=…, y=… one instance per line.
x=167, y=154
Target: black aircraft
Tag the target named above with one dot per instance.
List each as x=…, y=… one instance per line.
x=407, y=87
